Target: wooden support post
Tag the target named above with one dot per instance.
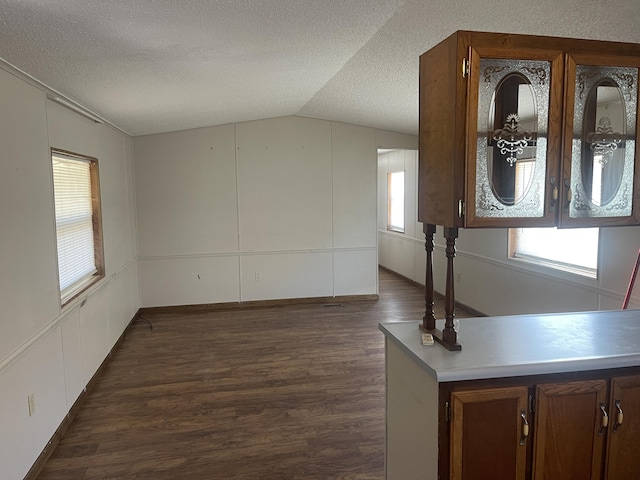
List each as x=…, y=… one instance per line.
x=449, y=335
x=429, y=319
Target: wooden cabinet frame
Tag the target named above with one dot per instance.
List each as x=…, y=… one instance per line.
x=448, y=124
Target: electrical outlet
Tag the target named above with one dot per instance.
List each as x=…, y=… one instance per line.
x=258, y=276
x=31, y=399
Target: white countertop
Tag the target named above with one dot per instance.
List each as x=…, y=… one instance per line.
x=518, y=345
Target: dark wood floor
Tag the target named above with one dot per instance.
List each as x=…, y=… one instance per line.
x=292, y=392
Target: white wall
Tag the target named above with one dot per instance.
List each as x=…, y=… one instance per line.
x=45, y=350
x=268, y=209
x=488, y=281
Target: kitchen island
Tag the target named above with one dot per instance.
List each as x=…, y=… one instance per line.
x=529, y=396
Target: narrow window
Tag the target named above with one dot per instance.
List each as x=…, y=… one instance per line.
x=573, y=250
x=78, y=222
x=395, y=196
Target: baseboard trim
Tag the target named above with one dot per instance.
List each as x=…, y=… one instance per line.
x=213, y=307
x=53, y=442
x=399, y=275
x=469, y=309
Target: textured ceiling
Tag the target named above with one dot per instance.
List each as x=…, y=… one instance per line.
x=152, y=66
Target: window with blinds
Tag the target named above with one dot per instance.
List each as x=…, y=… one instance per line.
x=78, y=222
x=573, y=250
x=395, y=201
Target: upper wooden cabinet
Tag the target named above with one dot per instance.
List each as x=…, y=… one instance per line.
x=519, y=130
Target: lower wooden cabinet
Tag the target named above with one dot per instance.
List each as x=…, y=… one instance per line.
x=569, y=430
x=570, y=422
x=623, y=451
x=489, y=430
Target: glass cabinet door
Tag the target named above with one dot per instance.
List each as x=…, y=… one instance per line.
x=600, y=176
x=512, y=118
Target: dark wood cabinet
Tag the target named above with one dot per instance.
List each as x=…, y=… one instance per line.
x=600, y=171
x=573, y=430
x=519, y=130
x=524, y=131
x=623, y=458
x=571, y=422
x=489, y=432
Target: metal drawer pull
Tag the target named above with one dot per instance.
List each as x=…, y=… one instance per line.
x=525, y=426
x=567, y=186
x=554, y=195
x=619, y=416
x=605, y=418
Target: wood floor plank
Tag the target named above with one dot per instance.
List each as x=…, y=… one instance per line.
x=267, y=393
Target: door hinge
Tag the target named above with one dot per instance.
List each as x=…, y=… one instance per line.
x=447, y=411
x=461, y=208
x=465, y=67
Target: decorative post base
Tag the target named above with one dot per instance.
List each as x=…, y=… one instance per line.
x=444, y=339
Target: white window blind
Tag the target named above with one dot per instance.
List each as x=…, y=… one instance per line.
x=524, y=174
x=573, y=249
x=74, y=222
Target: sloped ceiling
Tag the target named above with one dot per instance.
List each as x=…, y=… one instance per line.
x=151, y=66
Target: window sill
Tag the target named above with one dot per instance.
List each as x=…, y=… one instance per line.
x=78, y=289
x=556, y=269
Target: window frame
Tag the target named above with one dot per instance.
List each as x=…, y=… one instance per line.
x=82, y=284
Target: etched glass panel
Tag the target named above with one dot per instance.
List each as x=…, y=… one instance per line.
x=603, y=129
x=603, y=146
x=511, y=137
x=513, y=105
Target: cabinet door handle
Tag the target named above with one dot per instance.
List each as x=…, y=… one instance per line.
x=554, y=194
x=525, y=426
x=568, y=196
x=619, y=416
x=605, y=418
